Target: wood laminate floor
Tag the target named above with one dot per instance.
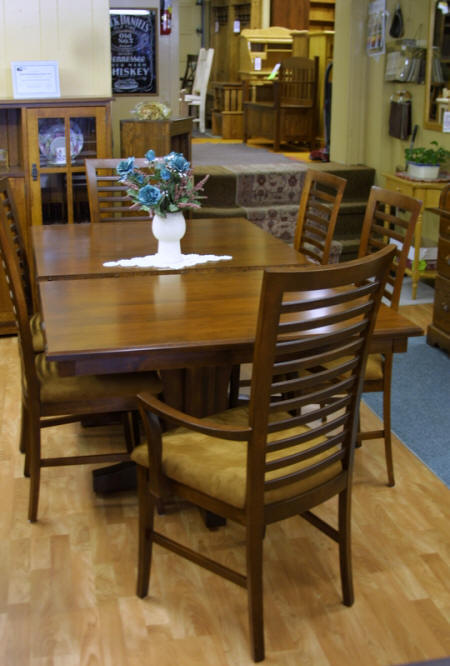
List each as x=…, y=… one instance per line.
x=67, y=582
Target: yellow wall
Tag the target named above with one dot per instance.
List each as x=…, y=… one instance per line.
x=76, y=34
x=38, y=30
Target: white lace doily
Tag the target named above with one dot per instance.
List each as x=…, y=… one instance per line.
x=157, y=261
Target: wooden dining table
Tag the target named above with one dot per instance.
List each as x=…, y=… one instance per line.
x=193, y=325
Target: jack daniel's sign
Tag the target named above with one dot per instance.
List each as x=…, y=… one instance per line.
x=133, y=51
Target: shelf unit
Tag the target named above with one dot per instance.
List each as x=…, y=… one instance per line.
x=261, y=50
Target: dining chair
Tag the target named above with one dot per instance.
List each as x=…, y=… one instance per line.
x=11, y=220
x=275, y=458
x=390, y=218
x=197, y=98
x=49, y=399
x=108, y=200
x=317, y=215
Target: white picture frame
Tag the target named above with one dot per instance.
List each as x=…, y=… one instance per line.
x=35, y=79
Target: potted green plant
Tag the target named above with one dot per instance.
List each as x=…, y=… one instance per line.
x=424, y=163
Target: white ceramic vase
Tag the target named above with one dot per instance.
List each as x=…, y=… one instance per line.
x=169, y=231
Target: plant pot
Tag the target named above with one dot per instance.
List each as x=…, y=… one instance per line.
x=423, y=171
x=169, y=231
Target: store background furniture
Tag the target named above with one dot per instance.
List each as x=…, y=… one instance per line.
x=438, y=332
x=288, y=114
x=163, y=136
x=428, y=192
x=196, y=100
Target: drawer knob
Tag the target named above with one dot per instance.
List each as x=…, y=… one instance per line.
x=445, y=307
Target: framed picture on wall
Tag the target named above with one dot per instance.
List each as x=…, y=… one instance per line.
x=133, y=51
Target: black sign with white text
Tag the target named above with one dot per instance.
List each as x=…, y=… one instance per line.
x=133, y=52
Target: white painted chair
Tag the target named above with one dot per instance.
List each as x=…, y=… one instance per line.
x=198, y=96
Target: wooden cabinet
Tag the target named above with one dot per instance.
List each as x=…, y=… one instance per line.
x=428, y=192
x=162, y=136
x=439, y=331
x=45, y=143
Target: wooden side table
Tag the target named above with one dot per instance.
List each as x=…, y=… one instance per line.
x=428, y=192
x=163, y=136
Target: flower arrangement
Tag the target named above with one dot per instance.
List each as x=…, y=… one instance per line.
x=151, y=111
x=165, y=186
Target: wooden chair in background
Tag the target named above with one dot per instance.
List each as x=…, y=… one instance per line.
x=108, y=200
x=279, y=462
x=291, y=113
x=390, y=218
x=197, y=98
x=317, y=215
x=51, y=400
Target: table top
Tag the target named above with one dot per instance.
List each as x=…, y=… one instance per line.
x=167, y=321
x=79, y=250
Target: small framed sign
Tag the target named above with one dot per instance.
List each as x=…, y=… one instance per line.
x=35, y=79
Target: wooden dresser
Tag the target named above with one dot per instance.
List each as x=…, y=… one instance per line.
x=439, y=331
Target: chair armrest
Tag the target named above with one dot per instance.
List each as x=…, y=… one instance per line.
x=207, y=427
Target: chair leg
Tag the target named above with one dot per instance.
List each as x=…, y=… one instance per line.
x=34, y=462
x=345, y=556
x=23, y=431
x=387, y=380
x=146, y=513
x=255, y=590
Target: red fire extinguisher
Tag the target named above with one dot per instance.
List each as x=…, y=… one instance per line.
x=165, y=15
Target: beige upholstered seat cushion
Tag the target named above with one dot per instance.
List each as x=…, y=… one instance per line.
x=217, y=467
x=37, y=334
x=374, y=367
x=95, y=387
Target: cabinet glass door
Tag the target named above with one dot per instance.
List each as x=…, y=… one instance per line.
x=59, y=142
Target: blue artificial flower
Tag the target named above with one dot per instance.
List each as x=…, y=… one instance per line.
x=177, y=162
x=164, y=173
x=149, y=195
x=150, y=155
x=125, y=168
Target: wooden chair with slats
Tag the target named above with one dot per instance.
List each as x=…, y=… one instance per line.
x=11, y=220
x=108, y=201
x=51, y=400
x=390, y=218
x=317, y=215
x=275, y=458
